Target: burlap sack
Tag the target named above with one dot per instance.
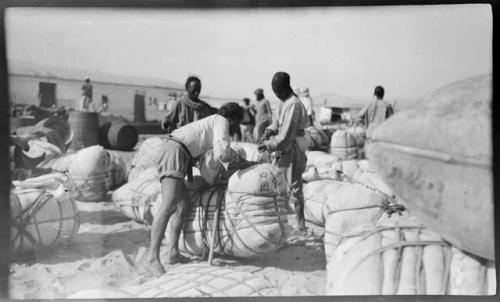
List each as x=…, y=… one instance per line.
x=437, y=156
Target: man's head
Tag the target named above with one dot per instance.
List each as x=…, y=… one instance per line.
x=87, y=79
x=193, y=87
x=259, y=94
x=379, y=92
x=246, y=101
x=232, y=112
x=281, y=85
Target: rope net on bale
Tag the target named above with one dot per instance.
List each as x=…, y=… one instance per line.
x=400, y=256
x=40, y=217
x=253, y=219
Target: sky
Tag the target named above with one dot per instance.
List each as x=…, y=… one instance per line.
x=410, y=50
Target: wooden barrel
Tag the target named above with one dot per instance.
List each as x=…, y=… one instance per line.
x=21, y=121
x=85, y=127
x=118, y=136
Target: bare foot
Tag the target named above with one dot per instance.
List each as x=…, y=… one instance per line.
x=177, y=258
x=151, y=267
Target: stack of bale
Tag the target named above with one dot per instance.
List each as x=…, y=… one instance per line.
x=254, y=205
x=444, y=243
x=43, y=214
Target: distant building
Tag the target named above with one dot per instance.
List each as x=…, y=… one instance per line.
x=46, y=86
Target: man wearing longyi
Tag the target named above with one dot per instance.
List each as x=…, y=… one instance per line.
x=286, y=136
x=174, y=162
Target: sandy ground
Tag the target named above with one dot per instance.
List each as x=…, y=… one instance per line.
x=107, y=245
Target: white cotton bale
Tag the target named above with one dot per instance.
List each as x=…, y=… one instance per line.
x=256, y=210
x=373, y=180
x=253, y=216
x=349, y=204
x=398, y=255
x=343, y=145
x=347, y=167
x=320, y=159
x=135, y=198
x=444, y=174
x=203, y=280
x=119, y=169
x=89, y=171
x=250, y=152
x=41, y=219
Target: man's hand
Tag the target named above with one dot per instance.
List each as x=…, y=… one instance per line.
x=21, y=142
x=261, y=147
x=267, y=134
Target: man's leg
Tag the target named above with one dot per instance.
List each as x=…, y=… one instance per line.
x=178, y=219
x=297, y=168
x=171, y=191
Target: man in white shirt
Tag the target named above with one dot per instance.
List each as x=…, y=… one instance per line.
x=174, y=161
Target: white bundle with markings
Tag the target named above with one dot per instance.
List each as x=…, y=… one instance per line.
x=400, y=256
x=343, y=145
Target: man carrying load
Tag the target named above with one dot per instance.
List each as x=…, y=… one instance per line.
x=286, y=136
x=174, y=163
x=263, y=114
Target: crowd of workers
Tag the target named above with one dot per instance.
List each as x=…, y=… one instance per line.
x=195, y=127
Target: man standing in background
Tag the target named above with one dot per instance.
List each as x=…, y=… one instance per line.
x=86, y=100
x=263, y=114
x=248, y=122
x=376, y=112
x=308, y=103
x=188, y=109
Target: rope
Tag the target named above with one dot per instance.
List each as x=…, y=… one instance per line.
x=437, y=155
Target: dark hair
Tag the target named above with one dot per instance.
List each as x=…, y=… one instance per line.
x=191, y=79
x=246, y=101
x=281, y=80
x=379, y=92
x=231, y=111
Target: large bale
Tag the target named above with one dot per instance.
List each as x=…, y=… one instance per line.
x=253, y=219
x=89, y=172
x=119, y=170
x=345, y=202
x=400, y=256
x=437, y=156
x=147, y=151
x=367, y=176
x=320, y=159
x=42, y=213
x=336, y=170
x=191, y=280
x=343, y=145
